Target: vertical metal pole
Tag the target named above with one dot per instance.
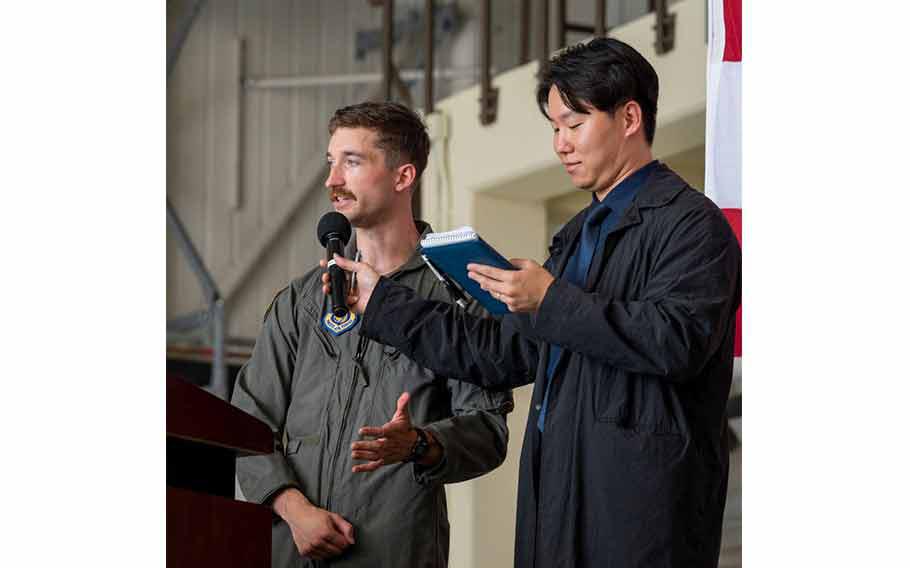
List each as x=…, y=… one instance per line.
x=236, y=195
x=428, y=103
x=664, y=27
x=543, y=29
x=600, y=19
x=524, y=33
x=219, y=365
x=388, y=38
x=560, y=24
x=428, y=49
x=488, y=95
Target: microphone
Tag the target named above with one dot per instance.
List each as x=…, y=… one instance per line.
x=333, y=232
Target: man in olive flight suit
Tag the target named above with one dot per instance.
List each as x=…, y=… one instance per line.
x=351, y=486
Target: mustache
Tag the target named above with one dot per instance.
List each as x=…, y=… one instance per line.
x=334, y=194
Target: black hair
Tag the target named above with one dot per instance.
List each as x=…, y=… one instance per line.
x=602, y=73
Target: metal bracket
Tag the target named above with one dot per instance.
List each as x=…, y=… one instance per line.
x=489, y=102
x=664, y=28
x=489, y=95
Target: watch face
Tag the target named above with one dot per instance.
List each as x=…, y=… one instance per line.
x=420, y=446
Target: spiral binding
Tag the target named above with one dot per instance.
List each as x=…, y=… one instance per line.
x=459, y=235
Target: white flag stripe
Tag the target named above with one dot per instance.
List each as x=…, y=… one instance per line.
x=723, y=151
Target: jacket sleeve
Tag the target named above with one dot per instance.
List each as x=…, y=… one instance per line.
x=677, y=324
x=488, y=352
x=262, y=389
x=474, y=440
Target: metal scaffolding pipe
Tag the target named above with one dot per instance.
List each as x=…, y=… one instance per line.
x=183, y=31
x=543, y=32
x=388, y=40
x=428, y=56
x=524, y=33
x=192, y=255
x=189, y=322
x=293, y=82
x=560, y=24
x=600, y=18
x=664, y=27
x=488, y=95
x=219, y=381
x=219, y=384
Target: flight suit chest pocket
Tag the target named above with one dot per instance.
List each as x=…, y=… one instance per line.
x=398, y=374
x=315, y=377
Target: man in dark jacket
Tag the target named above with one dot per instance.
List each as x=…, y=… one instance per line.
x=626, y=331
x=350, y=493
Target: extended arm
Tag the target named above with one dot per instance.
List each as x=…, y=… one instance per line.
x=487, y=352
x=475, y=439
x=470, y=443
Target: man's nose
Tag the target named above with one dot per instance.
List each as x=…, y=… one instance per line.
x=335, y=179
x=563, y=146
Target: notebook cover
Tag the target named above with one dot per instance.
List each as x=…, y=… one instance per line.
x=453, y=259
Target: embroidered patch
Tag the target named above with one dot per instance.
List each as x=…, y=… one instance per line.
x=336, y=326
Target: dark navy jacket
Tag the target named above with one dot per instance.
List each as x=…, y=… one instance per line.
x=632, y=467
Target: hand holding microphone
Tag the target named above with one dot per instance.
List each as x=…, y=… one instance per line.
x=334, y=231
x=365, y=276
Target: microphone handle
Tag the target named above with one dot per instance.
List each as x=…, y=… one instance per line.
x=337, y=277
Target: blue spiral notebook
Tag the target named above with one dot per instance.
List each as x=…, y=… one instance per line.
x=451, y=252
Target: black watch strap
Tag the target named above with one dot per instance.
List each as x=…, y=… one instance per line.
x=420, y=448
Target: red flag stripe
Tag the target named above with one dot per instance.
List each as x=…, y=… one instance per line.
x=733, y=30
x=735, y=218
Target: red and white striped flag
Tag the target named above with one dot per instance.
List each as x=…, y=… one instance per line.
x=723, y=130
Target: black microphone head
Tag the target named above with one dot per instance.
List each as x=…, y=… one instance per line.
x=334, y=224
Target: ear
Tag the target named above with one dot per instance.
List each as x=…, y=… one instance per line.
x=405, y=177
x=632, y=118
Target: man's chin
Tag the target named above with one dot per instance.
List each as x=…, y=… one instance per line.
x=352, y=216
x=585, y=184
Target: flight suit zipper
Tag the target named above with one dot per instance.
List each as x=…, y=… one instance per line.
x=358, y=370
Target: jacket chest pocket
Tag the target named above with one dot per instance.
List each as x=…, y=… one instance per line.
x=637, y=402
x=611, y=402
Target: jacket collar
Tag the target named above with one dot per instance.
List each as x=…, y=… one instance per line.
x=660, y=188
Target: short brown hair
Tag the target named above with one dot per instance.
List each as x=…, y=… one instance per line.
x=400, y=132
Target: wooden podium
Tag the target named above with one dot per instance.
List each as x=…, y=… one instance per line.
x=206, y=526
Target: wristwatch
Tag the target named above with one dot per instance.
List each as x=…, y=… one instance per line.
x=420, y=448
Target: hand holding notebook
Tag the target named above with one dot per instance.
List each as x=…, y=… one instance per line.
x=451, y=252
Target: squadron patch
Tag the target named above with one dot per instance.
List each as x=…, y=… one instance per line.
x=337, y=326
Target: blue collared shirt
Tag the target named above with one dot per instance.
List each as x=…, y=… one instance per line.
x=602, y=216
